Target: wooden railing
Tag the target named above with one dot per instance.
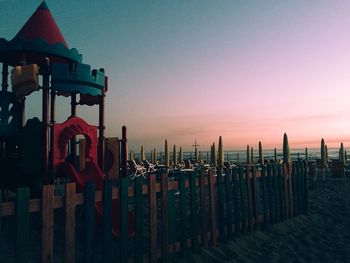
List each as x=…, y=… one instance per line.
x=189, y=210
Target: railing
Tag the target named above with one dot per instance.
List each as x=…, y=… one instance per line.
x=173, y=214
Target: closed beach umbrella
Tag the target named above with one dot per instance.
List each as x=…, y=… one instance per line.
x=261, y=157
x=323, y=154
x=248, y=154
x=286, y=152
x=220, y=153
x=174, y=155
x=306, y=154
x=143, y=155
x=251, y=155
x=181, y=158
x=275, y=154
x=167, y=160
x=341, y=153
x=214, y=155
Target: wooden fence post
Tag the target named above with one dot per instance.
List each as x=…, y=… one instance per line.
x=237, y=211
x=107, y=221
x=194, y=215
x=229, y=194
x=183, y=209
x=47, y=214
x=124, y=226
x=69, y=222
x=89, y=205
x=220, y=204
x=204, y=224
x=22, y=225
x=242, y=193
x=255, y=198
x=212, y=208
x=138, y=219
x=165, y=220
x=153, y=218
x=249, y=196
x=264, y=194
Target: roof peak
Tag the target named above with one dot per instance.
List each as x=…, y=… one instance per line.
x=43, y=5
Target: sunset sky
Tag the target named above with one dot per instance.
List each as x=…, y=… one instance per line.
x=197, y=69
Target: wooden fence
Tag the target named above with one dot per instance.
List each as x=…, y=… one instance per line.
x=174, y=213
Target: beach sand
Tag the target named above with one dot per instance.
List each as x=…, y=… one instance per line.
x=321, y=236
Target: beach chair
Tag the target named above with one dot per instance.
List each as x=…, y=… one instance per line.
x=136, y=170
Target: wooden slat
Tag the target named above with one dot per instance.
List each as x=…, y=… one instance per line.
x=183, y=211
x=212, y=208
x=236, y=207
x=153, y=218
x=194, y=215
x=138, y=219
x=47, y=214
x=270, y=188
x=250, y=198
x=89, y=206
x=172, y=219
x=220, y=208
x=124, y=236
x=276, y=193
x=255, y=198
x=282, y=192
x=22, y=225
x=243, y=197
x=285, y=175
x=165, y=221
x=69, y=228
x=229, y=201
x=107, y=221
x=306, y=190
x=204, y=223
x=264, y=194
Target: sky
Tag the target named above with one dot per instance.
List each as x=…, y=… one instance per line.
x=199, y=69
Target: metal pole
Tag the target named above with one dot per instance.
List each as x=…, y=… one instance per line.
x=5, y=74
x=124, y=154
x=52, y=135
x=73, y=146
x=45, y=119
x=101, y=128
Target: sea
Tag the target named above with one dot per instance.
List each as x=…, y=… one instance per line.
x=241, y=155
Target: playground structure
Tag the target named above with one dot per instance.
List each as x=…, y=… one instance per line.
x=34, y=153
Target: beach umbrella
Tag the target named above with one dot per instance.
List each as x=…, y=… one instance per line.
x=346, y=156
x=181, y=157
x=326, y=154
x=166, y=150
x=286, y=152
x=275, y=154
x=306, y=154
x=252, y=155
x=214, y=155
x=174, y=155
x=220, y=153
x=341, y=153
x=154, y=158
x=200, y=156
x=248, y=154
x=143, y=155
x=323, y=154
x=261, y=157
x=131, y=155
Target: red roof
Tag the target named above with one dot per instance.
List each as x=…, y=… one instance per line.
x=42, y=25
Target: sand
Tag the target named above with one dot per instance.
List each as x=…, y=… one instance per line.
x=321, y=236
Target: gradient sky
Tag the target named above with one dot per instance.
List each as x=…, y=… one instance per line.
x=197, y=69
